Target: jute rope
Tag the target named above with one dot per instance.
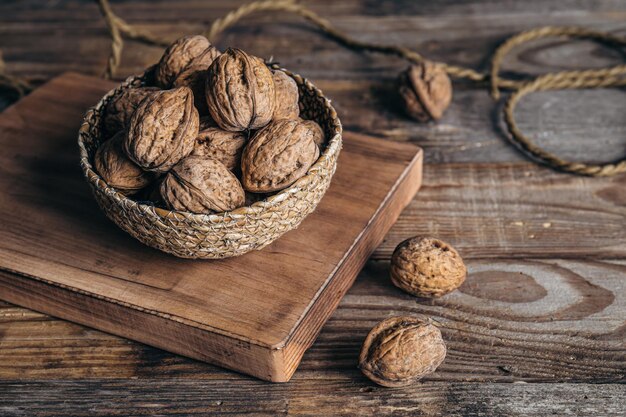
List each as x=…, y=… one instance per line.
x=597, y=78
x=117, y=27
x=606, y=77
x=560, y=81
x=565, y=80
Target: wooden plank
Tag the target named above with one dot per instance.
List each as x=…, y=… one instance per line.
x=308, y=398
x=439, y=35
x=527, y=320
x=362, y=86
x=62, y=10
x=516, y=210
x=256, y=313
x=585, y=218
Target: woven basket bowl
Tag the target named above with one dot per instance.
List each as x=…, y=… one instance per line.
x=223, y=235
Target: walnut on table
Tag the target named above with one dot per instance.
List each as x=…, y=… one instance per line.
x=400, y=350
x=426, y=90
x=427, y=267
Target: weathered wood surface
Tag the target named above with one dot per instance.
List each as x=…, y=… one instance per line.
x=41, y=40
x=187, y=398
x=552, y=313
x=513, y=320
x=256, y=313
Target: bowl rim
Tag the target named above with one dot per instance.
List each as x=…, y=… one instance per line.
x=331, y=150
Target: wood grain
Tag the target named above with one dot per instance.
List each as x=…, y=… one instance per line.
x=556, y=242
x=511, y=210
x=533, y=320
x=180, y=397
x=256, y=313
x=37, y=44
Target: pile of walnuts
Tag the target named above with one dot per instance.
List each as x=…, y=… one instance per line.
x=217, y=132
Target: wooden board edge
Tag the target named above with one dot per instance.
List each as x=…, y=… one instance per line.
x=179, y=338
x=305, y=332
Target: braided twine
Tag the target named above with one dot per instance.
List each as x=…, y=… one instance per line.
x=602, y=78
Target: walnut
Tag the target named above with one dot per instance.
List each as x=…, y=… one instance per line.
x=177, y=57
x=221, y=145
x=201, y=185
x=287, y=96
x=240, y=91
x=122, y=106
x=427, y=267
x=194, y=77
x=426, y=90
x=278, y=155
x=163, y=129
x=400, y=350
x=117, y=170
x=318, y=134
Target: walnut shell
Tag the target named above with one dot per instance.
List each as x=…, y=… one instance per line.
x=427, y=267
x=121, y=107
x=221, y=145
x=194, y=77
x=318, y=133
x=400, y=350
x=240, y=91
x=278, y=155
x=426, y=90
x=200, y=185
x=117, y=170
x=287, y=96
x=163, y=129
x=177, y=57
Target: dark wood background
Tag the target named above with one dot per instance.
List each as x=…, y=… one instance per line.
x=538, y=328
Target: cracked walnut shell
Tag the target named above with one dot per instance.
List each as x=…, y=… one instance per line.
x=427, y=267
x=426, y=90
x=203, y=186
x=121, y=107
x=117, y=170
x=400, y=350
x=163, y=129
x=240, y=91
x=278, y=155
x=221, y=145
x=178, y=56
x=287, y=96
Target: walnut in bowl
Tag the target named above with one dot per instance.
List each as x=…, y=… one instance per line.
x=225, y=231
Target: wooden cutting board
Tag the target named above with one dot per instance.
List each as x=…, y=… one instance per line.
x=256, y=314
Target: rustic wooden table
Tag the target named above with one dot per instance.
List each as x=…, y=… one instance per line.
x=538, y=328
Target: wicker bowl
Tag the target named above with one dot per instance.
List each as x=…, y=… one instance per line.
x=215, y=236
